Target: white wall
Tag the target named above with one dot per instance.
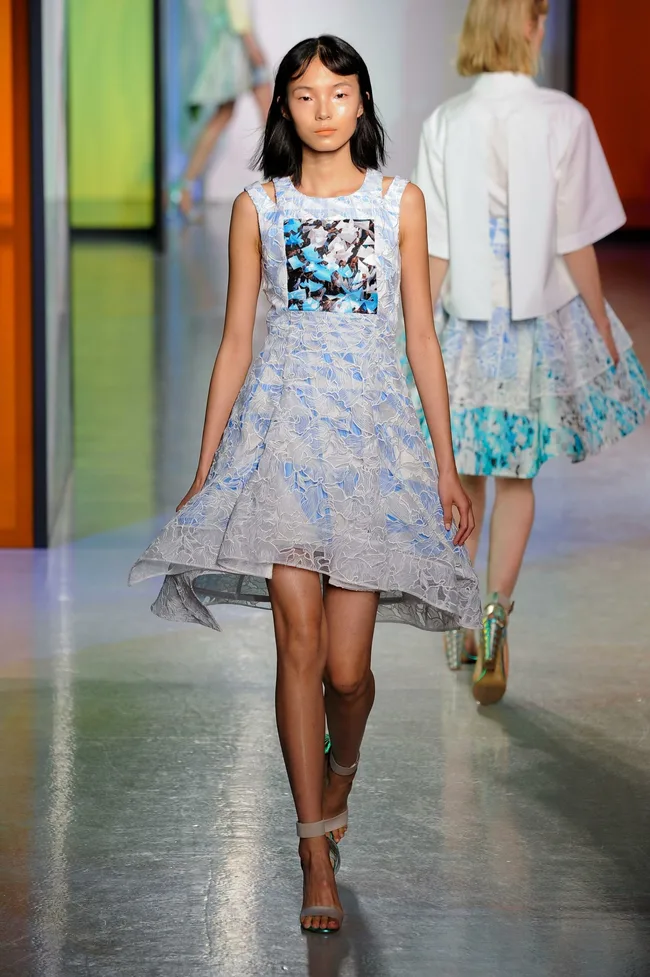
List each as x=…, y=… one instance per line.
x=409, y=46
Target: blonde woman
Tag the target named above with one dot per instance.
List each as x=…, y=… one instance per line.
x=517, y=191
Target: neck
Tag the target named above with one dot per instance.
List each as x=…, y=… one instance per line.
x=328, y=174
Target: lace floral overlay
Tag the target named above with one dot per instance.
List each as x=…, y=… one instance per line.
x=524, y=392
x=323, y=464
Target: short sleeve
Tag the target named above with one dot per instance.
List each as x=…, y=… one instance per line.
x=589, y=207
x=240, y=16
x=429, y=176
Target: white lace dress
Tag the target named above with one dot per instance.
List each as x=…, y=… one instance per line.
x=322, y=464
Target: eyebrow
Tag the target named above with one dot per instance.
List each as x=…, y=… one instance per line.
x=339, y=84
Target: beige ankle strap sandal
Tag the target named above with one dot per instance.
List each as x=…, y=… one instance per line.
x=340, y=820
x=316, y=829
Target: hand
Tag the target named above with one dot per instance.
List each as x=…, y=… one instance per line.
x=197, y=485
x=604, y=327
x=452, y=494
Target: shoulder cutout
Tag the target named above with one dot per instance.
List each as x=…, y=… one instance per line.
x=269, y=190
x=386, y=184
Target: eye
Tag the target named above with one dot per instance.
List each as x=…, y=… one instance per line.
x=341, y=95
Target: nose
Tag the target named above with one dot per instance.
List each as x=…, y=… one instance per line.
x=323, y=109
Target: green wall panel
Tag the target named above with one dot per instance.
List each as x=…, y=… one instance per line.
x=111, y=120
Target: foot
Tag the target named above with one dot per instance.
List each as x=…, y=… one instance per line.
x=319, y=886
x=335, y=797
x=470, y=650
x=185, y=201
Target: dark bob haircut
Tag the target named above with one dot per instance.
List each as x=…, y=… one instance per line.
x=280, y=152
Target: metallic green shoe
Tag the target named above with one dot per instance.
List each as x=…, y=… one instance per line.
x=490, y=678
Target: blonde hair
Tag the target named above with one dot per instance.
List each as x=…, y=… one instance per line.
x=494, y=36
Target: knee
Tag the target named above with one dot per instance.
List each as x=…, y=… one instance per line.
x=513, y=486
x=349, y=684
x=299, y=647
x=222, y=115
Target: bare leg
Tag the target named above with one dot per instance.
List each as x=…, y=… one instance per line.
x=475, y=486
x=202, y=150
x=349, y=684
x=297, y=615
x=512, y=521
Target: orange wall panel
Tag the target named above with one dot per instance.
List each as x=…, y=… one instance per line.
x=16, y=442
x=6, y=118
x=612, y=80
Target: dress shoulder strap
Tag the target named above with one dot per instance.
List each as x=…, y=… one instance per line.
x=391, y=201
x=263, y=203
x=393, y=195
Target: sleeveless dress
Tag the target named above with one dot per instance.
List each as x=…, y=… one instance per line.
x=322, y=464
x=522, y=392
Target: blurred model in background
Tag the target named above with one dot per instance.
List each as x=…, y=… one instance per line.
x=231, y=64
x=518, y=190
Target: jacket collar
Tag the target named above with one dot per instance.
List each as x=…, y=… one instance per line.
x=500, y=83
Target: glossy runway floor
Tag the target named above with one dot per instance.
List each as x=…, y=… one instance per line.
x=146, y=825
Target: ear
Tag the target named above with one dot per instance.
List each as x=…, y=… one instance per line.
x=361, y=108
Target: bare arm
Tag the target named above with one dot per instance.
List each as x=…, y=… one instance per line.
x=583, y=268
x=438, y=268
x=423, y=351
x=236, y=349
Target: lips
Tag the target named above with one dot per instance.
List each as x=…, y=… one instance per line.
x=325, y=132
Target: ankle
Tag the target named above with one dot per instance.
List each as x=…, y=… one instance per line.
x=313, y=849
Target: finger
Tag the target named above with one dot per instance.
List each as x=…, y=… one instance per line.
x=461, y=535
x=470, y=526
x=447, y=515
x=183, y=502
x=469, y=523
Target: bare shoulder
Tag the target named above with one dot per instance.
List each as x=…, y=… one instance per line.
x=244, y=224
x=412, y=201
x=243, y=206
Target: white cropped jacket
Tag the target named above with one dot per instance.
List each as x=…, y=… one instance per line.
x=534, y=149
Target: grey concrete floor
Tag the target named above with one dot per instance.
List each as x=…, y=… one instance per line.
x=146, y=827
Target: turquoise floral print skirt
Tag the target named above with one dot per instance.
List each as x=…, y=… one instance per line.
x=523, y=392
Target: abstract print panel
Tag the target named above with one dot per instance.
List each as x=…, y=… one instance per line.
x=331, y=265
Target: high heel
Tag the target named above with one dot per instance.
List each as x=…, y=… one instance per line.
x=456, y=652
x=316, y=829
x=339, y=821
x=490, y=678
x=454, y=642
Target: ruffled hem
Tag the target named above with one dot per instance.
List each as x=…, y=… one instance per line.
x=492, y=441
x=187, y=592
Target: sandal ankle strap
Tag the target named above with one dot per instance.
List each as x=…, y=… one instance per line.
x=310, y=829
x=343, y=771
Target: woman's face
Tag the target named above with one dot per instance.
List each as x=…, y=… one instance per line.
x=324, y=107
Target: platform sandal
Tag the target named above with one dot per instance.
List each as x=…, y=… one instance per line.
x=339, y=821
x=490, y=678
x=316, y=829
